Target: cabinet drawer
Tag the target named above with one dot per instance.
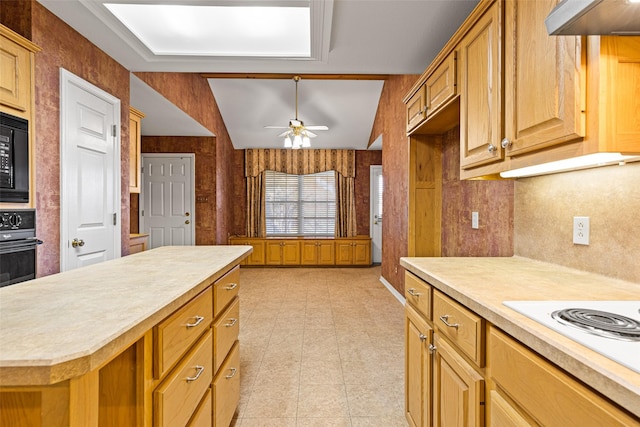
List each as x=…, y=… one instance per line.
x=202, y=417
x=225, y=289
x=174, y=335
x=225, y=333
x=418, y=293
x=544, y=391
x=177, y=398
x=226, y=388
x=463, y=327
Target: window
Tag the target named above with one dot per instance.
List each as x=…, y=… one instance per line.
x=300, y=205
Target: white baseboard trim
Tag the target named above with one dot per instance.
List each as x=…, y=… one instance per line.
x=393, y=291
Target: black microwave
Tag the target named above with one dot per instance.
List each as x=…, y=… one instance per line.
x=14, y=159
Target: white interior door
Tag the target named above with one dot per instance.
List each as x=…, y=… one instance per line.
x=89, y=173
x=376, y=188
x=167, y=199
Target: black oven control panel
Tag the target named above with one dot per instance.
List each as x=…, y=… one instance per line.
x=19, y=219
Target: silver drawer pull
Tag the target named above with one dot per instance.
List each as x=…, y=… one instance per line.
x=423, y=337
x=432, y=348
x=412, y=291
x=233, y=373
x=231, y=286
x=199, y=320
x=231, y=323
x=200, y=370
x=445, y=320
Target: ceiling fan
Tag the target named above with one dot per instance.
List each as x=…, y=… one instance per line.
x=297, y=134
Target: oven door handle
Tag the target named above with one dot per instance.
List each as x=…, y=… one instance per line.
x=19, y=245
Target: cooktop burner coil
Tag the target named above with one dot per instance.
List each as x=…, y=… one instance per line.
x=601, y=323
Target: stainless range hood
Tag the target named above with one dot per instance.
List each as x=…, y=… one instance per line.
x=598, y=17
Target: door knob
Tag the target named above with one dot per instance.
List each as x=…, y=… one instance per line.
x=77, y=242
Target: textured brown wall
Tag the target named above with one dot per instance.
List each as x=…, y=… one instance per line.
x=364, y=159
x=204, y=149
x=493, y=200
x=16, y=14
x=389, y=123
x=64, y=47
x=192, y=94
x=238, y=202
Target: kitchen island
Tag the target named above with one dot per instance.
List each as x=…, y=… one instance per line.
x=509, y=356
x=101, y=345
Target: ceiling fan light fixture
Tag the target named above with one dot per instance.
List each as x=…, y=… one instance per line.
x=306, y=142
x=287, y=142
x=297, y=141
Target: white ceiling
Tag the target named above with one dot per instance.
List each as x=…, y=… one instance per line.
x=348, y=37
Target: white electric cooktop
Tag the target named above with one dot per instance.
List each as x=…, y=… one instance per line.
x=583, y=322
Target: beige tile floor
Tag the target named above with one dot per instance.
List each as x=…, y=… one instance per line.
x=319, y=347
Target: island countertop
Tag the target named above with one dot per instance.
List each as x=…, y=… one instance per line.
x=64, y=325
x=482, y=284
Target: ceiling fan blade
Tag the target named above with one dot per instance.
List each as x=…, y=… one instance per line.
x=317, y=127
x=284, y=134
x=310, y=134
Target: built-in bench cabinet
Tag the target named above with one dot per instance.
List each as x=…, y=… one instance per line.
x=348, y=251
x=460, y=370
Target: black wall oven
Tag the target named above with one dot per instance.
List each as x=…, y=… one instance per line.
x=18, y=244
x=14, y=159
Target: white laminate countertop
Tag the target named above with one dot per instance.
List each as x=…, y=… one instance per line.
x=64, y=325
x=482, y=284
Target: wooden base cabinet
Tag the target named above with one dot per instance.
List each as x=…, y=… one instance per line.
x=318, y=252
x=257, y=257
x=526, y=389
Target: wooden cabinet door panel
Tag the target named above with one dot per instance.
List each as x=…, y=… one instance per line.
x=458, y=389
x=416, y=109
x=418, y=369
x=544, y=96
x=291, y=253
x=15, y=78
x=441, y=85
x=481, y=92
x=326, y=253
x=502, y=414
x=273, y=253
x=309, y=253
x=362, y=253
x=344, y=252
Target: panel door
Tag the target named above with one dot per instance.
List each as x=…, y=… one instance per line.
x=291, y=253
x=166, y=212
x=309, y=252
x=273, y=253
x=326, y=253
x=481, y=92
x=544, y=96
x=90, y=174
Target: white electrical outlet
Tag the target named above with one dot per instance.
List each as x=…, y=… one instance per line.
x=581, y=230
x=474, y=220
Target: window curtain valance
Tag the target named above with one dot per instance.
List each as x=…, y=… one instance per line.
x=300, y=162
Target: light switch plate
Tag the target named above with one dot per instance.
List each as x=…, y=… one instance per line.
x=581, y=230
x=474, y=220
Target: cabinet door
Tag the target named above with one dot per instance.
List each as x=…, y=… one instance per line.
x=481, y=92
x=291, y=253
x=502, y=414
x=344, y=252
x=418, y=362
x=362, y=252
x=309, y=252
x=544, y=96
x=458, y=392
x=257, y=256
x=273, y=252
x=326, y=252
x=441, y=85
x=416, y=109
x=15, y=79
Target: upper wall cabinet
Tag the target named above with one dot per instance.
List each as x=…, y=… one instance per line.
x=416, y=108
x=16, y=64
x=481, y=91
x=544, y=93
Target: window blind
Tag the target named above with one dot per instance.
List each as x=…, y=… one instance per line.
x=300, y=205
